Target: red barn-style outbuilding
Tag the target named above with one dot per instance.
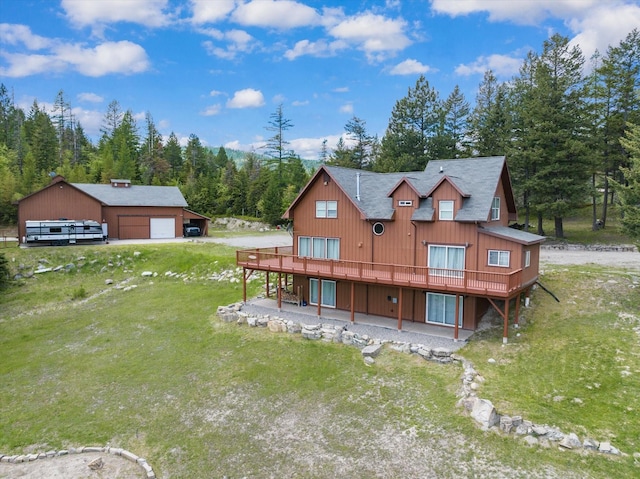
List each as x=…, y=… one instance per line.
x=430, y=246
x=126, y=211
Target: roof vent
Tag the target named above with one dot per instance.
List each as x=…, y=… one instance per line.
x=441, y=169
x=358, y=185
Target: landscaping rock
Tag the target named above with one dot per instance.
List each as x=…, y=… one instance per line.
x=371, y=351
x=484, y=413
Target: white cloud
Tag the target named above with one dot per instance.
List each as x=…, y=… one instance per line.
x=300, y=103
x=208, y=11
x=501, y=65
x=110, y=57
x=321, y=48
x=91, y=120
x=21, y=65
x=215, y=93
x=283, y=14
x=347, y=108
x=523, y=12
x=378, y=36
x=145, y=12
x=341, y=89
x=238, y=41
x=212, y=110
x=604, y=26
x=14, y=34
x=247, y=98
x=409, y=67
x=90, y=98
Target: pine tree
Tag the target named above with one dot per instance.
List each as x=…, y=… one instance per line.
x=490, y=121
x=629, y=190
x=411, y=138
x=173, y=155
x=455, y=112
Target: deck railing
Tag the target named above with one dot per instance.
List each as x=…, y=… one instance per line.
x=282, y=260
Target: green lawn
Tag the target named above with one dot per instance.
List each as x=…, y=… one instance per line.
x=152, y=370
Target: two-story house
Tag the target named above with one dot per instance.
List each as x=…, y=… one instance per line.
x=429, y=246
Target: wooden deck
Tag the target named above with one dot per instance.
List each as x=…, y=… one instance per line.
x=477, y=283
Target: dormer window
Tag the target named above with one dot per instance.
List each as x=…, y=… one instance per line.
x=495, y=209
x=405, y=203
x=445, y=210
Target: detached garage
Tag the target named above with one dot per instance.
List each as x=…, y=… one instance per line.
x=126, y=211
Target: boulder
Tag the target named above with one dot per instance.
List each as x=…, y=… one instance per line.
x=371, y=351
x=484, y=413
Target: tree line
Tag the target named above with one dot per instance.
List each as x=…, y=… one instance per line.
x=561, y=122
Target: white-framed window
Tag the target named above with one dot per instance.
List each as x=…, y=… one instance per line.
x=445, y=210
x=495, y=208
x=405, y=203
x=446, y=260
x=527, y=258
x=326, y=209
x=441, y=309
x=328, y=293
x=318, y=247
x=499, y=258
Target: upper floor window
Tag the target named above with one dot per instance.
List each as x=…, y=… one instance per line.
x=495, y=208
x=499, y=258
x=318, y=247
x=405, y=203
x=445, y=210
x=326, y=209
x=527, y=258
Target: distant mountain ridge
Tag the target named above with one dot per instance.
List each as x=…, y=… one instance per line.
x=239, y=156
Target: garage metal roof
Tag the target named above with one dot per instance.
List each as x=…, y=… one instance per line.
x=134, y=195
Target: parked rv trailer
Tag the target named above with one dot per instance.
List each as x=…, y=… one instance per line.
x=62, y=232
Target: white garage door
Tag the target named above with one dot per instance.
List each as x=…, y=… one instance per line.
x=162, y=227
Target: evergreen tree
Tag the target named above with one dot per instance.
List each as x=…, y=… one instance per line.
x=173, y=155
x=411, y=137
x=8, y=186
x=276, y=147
x=455, y=112
x=490, y=121
x=271, y=204
x=42, y=140
x=630, y=188
x=560, y=183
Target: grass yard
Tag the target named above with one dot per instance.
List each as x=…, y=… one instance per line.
x=153, y=371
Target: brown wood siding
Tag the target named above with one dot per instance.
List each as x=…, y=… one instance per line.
x=531, y=273
x=354, y=233
x=59, y=200
x=504, y=213
x=115, y=214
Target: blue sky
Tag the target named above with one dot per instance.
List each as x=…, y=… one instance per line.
x=219, y=68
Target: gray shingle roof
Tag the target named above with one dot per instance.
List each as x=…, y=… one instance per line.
x=476, y=178
x=134, y=195
x=513, y=234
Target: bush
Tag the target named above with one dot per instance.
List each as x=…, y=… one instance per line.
x=4, y=272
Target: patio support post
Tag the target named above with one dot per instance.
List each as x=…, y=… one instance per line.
x=505, y=332
x=400, y=309
x=353, y=299
x=244, y=285
x=517, y=319
x=319, y=295
x=279, y=292
x=455, y=321
x=268, y=293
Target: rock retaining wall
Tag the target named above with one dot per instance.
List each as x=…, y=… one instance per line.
x=481, y=410
x=19, y=458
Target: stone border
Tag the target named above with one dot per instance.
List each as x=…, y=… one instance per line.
x=481, y=410
x=21, y=458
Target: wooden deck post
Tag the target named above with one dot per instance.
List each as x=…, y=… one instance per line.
x=279, y=292
x=400, y=308
x=516, y=321
x=267, y=286
x=353, y=300
x=505, y=331
x=455, y=321
x=319, y=296
x=244, y=285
